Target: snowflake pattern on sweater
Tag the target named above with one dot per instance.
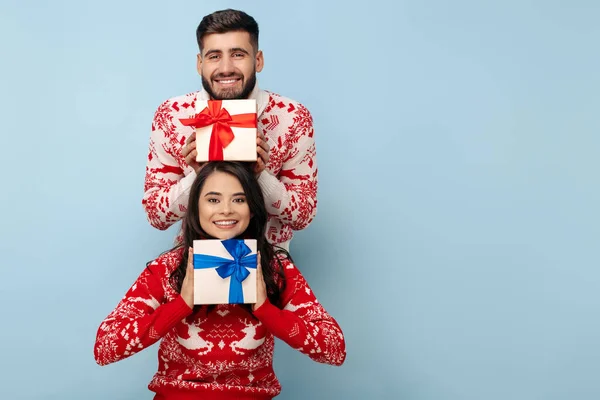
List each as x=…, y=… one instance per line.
x=289, y=182
x=228, y=349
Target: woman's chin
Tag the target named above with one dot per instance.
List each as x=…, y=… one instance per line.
x=224, y=235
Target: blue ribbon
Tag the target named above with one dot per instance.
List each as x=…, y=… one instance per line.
x=236, y=268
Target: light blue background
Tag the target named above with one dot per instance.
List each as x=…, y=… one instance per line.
x=456, y=240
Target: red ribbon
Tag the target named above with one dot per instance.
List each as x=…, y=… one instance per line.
x=222, y=121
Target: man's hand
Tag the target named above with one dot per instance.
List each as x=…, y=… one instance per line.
x=262, y=150
x=190, y=153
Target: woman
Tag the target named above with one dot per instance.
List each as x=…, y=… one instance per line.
x=219, y=351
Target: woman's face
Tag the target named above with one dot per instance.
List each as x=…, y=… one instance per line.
x=224, y=211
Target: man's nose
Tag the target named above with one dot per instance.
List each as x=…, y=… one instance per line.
x=226, y=65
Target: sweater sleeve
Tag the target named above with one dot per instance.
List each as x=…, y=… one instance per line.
x=292, y=195
x=303, y=323
x=140, y=319
x=166, y=189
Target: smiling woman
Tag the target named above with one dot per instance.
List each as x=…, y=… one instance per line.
x=223, y=209
x=197, y=357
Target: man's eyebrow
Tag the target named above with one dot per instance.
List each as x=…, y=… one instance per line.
x=234, y=49
x=213, y=51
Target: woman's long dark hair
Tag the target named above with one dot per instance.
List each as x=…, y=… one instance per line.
x=274, y=278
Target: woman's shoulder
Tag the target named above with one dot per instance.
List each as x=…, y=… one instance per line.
x=284, y=263
x=167, y=262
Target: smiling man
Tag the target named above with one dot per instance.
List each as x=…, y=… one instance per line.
x=228, y=62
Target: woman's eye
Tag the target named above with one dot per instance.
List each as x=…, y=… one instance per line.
x=213, y=200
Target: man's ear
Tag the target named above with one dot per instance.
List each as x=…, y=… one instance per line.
x=260, y=61
x=199, y=63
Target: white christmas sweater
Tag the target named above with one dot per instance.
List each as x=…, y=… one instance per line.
x=289, y=182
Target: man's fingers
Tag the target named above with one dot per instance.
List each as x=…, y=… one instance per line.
x=262, y=142
x=264, y=148
x=262, y=154
x=188, y=148
x=191, y=138
x=190, y=145
x=191, y=158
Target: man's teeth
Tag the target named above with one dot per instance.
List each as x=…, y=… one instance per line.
x=228, y=81
x=225, y=223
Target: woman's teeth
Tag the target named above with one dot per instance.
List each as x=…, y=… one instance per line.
x=225, y=223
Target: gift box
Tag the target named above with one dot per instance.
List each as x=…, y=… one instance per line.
x=225, y=130
x=225, y=271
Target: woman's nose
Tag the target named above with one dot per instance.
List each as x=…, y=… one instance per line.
x=226, y=208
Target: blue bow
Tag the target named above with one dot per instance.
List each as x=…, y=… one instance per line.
x=236, y=268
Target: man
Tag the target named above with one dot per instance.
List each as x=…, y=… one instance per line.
x=228, y=61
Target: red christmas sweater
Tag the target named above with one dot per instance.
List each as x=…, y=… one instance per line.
x=226, y=353
x=289, y=182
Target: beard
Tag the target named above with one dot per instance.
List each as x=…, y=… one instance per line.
x=231, y=94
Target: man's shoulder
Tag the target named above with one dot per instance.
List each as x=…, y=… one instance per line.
x=181, y=103
x=281, y=103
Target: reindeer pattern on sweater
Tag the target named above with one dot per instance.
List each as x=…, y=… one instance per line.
x=227, y=348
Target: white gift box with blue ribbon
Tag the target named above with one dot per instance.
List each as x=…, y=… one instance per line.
x=225, y=271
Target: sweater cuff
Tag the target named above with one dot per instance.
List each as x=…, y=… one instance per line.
x=185, y=185
x=172, y=313
x=275, y=320
x=273, y=190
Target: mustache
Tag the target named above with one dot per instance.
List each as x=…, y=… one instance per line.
x=224, y=76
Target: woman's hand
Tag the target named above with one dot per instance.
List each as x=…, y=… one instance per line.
x=187, y=287
x=261, y=287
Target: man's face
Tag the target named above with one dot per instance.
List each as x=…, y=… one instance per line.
x=228, y=65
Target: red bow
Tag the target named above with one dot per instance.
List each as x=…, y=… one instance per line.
x=222, y=122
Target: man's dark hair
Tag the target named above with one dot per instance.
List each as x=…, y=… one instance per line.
x=227, y=21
